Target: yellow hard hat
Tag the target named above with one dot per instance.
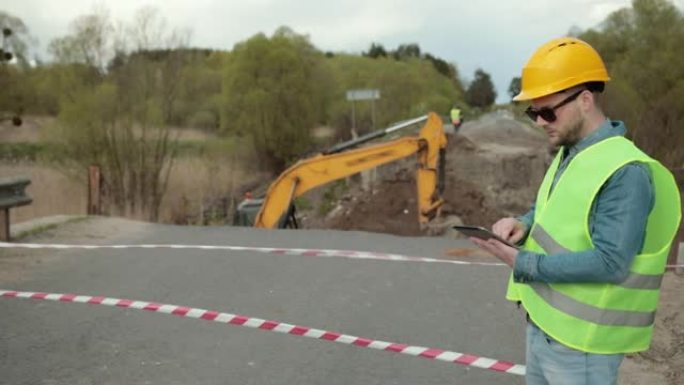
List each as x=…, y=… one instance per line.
x=558, y=65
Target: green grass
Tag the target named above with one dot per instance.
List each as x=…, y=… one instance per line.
x=303, y=203
x=22, y=151
x=43, y=228
x=190, y=148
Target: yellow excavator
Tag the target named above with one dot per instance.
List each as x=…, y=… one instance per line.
x=276, y=208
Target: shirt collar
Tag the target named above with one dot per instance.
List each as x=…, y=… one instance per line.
x=608, y=129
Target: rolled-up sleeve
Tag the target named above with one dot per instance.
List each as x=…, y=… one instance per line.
x=527, y=220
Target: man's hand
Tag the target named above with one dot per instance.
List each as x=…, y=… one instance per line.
x=502, y=251
x=510, y=229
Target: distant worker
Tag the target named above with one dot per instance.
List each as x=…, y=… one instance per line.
x=595, y=244
x=456, y=118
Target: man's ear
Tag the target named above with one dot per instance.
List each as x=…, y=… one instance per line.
x=587, y=101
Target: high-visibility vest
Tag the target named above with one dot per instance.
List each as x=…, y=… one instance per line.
x=598, y=317
x=455, y=115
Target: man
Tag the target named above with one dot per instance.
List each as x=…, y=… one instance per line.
x=456, y=118
x=595, y=244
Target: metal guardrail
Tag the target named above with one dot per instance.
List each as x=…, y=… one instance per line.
x=12, y=194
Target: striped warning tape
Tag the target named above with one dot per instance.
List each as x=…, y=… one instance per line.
x=280, y=327
x=352, y=254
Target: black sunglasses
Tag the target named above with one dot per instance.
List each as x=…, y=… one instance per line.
x=549, y=113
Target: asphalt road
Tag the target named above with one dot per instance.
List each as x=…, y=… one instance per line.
x=451, y=307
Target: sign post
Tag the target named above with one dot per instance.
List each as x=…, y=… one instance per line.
x=365, y=94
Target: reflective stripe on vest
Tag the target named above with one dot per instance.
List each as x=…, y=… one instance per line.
x=587, y=312
x=591, y=313
x=633, y=281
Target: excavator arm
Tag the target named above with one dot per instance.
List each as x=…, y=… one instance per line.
x=324, y=168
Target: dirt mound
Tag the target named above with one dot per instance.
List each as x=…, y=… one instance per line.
x=389, y=208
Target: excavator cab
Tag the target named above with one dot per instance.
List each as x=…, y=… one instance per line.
x=247, y=210
x=276, y=208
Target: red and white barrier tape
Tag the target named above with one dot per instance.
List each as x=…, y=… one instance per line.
x=257, y=323
x=352, y=254
x=269, y=250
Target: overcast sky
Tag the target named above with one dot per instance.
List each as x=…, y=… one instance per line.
x=495, y=35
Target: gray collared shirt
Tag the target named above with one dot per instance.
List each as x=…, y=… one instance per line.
x=617, y=224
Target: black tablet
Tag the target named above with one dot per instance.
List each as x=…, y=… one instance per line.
x=481, y=233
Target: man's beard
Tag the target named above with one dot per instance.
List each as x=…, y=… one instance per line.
x=572, y=136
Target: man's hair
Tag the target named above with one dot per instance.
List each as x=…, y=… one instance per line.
x=596, y=88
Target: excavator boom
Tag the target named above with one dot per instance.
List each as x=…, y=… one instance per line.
x=327, y=167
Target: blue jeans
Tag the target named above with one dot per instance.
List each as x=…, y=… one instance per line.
x=552, y=363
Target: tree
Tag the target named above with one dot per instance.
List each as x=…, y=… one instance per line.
x=15, y=91
x=81, y=56
x=480, y=92
x=120, y=122
x=16, y=38
x=199, y=102
x=441, y=66
x=405, y=51
x=90, y=41
x=408, y=88
x=376, y=51
x=514, y=87
x=271, y=90
x=12, y=94
x=646, y=94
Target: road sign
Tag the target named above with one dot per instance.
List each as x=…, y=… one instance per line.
x=363, y=94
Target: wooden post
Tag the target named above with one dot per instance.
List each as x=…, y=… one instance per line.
x=4, y=225
x=94, y=192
